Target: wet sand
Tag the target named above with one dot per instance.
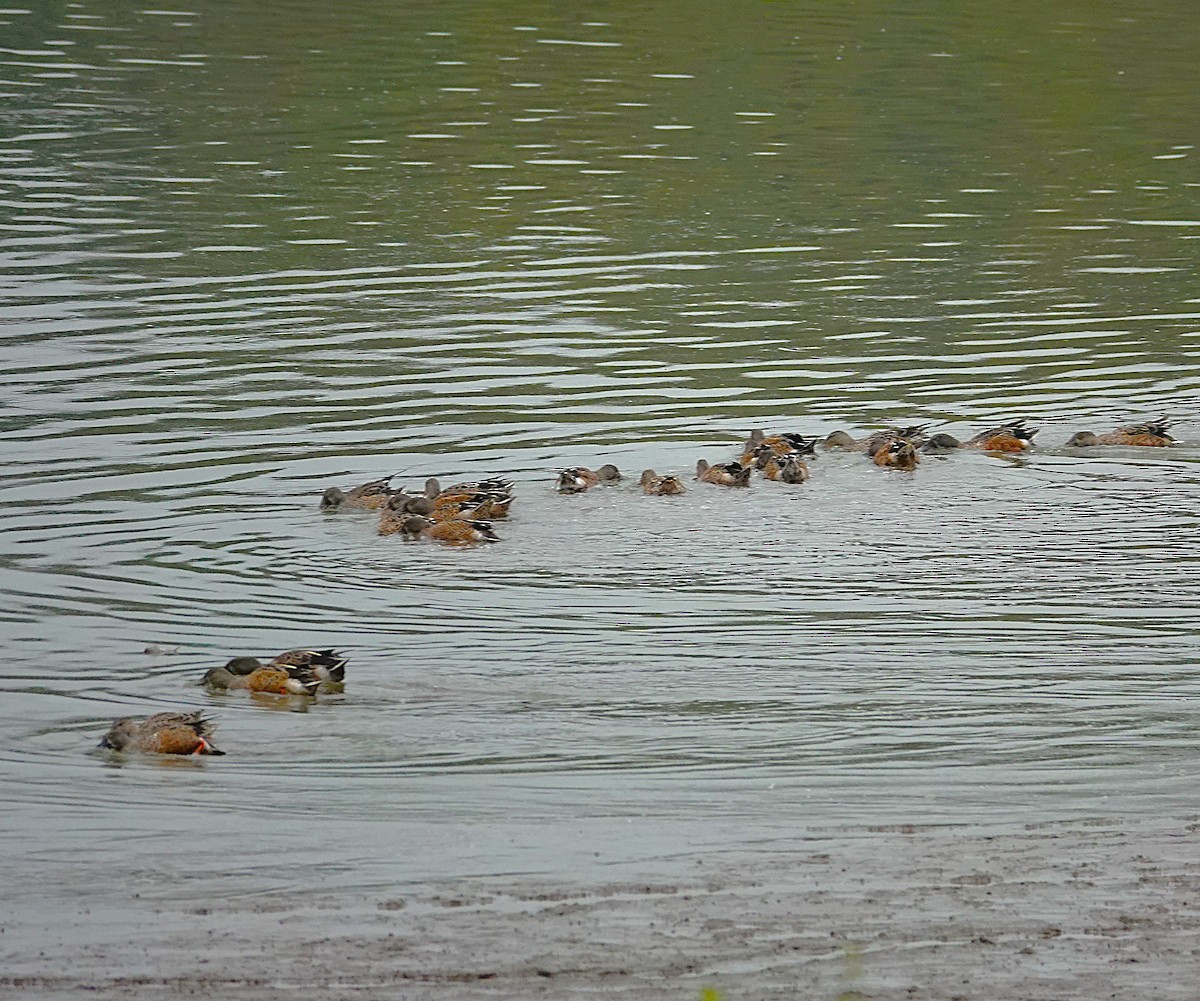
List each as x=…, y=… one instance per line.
x=1087, y=911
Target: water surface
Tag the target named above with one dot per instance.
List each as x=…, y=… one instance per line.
x=250, y=251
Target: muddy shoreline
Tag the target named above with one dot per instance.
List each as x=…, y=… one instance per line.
x=1099, y=910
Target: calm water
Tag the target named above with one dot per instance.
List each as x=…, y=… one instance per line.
x=252, y=250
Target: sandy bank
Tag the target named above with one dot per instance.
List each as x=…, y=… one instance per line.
x=1081, y=911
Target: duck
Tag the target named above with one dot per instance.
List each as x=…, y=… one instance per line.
x=1152, y=434
x=897, y=453
x=914, y=433
x=473, y=501
x=328, y=666
x=272, y=679
x=454, y=532
x=780, y=444
x=842, y=439
x=577, y=479
x=661, y=486
x=787, y=468
x=723, y=474
x=367, y=496
x=1016, y=436
x=162, y=733
x=401, y=506
x=492, y=496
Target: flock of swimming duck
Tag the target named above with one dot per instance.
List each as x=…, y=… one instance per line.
x=462, y=514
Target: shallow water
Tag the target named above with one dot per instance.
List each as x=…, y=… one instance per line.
x=250, y=252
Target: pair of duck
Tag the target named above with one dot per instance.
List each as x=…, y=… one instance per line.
x=294, y=672
x=577, y=479
x=458, y=515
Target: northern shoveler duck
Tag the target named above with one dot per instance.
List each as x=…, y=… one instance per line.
x=162, y=733
x=661, y=486
x=493, y=495
x=471, y=502
x=1015, y=436
x=274, y=678
x=780, y=444
x=577, y=479
x=368, y=496
x=400, y=507
x=897, y=453
x=1152, y=434
x=328, y=666
x=492, y=485
x=871, y=444
x=787, y=468
x=453, y=532
x=723, y=474
x=842, y=439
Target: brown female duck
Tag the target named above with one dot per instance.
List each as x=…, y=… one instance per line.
x=661, y=486
x=368, y=496
x=723, y=474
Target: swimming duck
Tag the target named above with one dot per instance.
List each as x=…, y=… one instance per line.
x=368, y=496
x=1015, y=436
x=780, y=444
x=401, y=506
x=842, y=439
x=661, y=486
x=498, y=490
x=788, y=468
x=273, y=678
x=577, y=479
x=454, y=532
x=470, y=501
x=914, y=433
x=897, y=453
x=1152, y=434
x=724, y=474
x=329, y=666
x=162, y=733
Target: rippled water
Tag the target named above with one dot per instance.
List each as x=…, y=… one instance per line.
x=250, y=251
